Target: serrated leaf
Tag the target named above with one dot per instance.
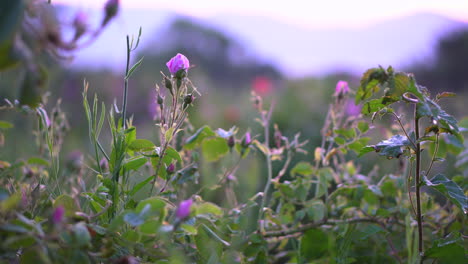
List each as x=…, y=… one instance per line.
x=450, y=189
x=390, y=148
x=429, y=108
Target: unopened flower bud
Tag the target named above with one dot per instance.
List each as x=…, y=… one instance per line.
x=104, y=164
x=170, y=169
x=231, y=142
x=341, y=89
x=247, y=140
x=168, y=84
x=160, y=99
x=110, y=11
x=80, y=24
x=183, y=211
x=188, y=99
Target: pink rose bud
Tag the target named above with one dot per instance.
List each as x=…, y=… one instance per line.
x=178, y=63
x=80, y=23
x=170, y=169
x=342, y=88
x=183, y=211
x=247, y=140
x=58, y=215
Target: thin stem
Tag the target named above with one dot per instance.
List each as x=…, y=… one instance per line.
x=404, y=130
x=417, y=183
x=434, y=155
x=124, y=107
x=308, y=226
x=266, y=126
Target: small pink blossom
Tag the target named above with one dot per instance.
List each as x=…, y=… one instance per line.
x=342, y=87
x=183, y=211
x=177, y=63
x=58, y=215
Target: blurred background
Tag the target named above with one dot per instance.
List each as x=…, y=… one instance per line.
x=291, y=51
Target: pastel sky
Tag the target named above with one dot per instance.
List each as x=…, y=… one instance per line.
x=308, y=13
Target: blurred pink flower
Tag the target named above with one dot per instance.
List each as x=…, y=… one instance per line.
x=352, y=109
x=342, y=87
x=177, y=63
x=183, y=211
x=262, y=85
x=247, y=140
x=58, y=214
x=170, y=169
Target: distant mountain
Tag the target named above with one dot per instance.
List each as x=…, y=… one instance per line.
x=295, y=50
x=300, y=51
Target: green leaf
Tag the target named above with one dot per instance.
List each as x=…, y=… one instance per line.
x=157, y=207
x=5, y=125
x=370, y=83
x=208, y=208
x=140, y=185
x=392, y=147
x=363, y=126
x=429, y=108
x=214, y=148
x=302, y=168
x=450, y=189
x=194, y=140
x=135, y=163
x=173, y=154
x=141, y=145
x=150, y=227
x=316, y=210
x=449, y=250
x=134, y=67
x=367, y=230
x=38, y=161
x=207, y=247
x=314, y=244
x=134, y=219
x=81, y=234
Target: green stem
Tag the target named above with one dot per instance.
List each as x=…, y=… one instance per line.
x=124, y=107
x=266, y=126
x=417, y=183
